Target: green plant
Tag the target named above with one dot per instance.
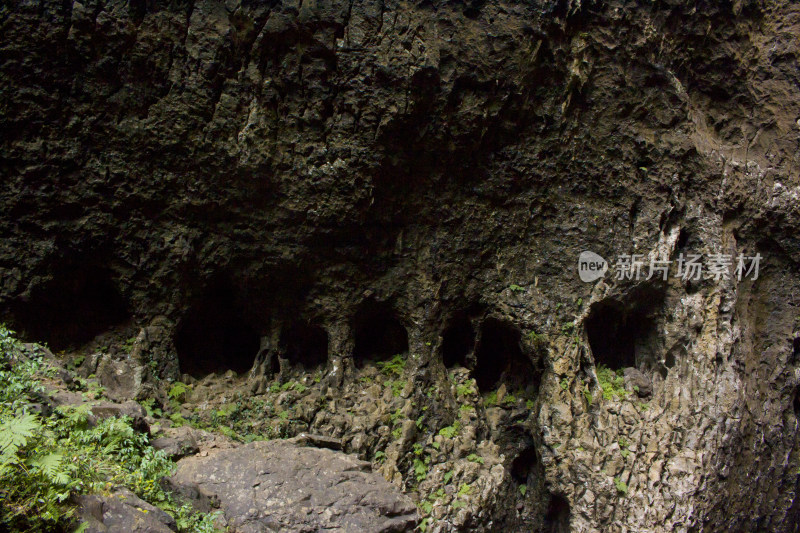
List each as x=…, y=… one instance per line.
x=464, y=490
x=380, y=456
x=491, y=399
x=76, y=362
x=449, y=432
x=447, y=477
x=150, y=408
x=515, y=288
x=178, y=391
x=475, y=458
x=621, y=486
x=393, y=367
x=611, y=383
x=127, y=345
x=420, y=469
x=564, y=383
x=523, y=489
x=466, y=389
x=529, y=404
x=537, y=339
x=45, y=461
x=396, y=385
x=587, y=394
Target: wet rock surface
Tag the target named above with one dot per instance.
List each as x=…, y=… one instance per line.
x=269, y=201
x=284, y=486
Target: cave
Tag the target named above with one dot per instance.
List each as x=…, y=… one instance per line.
x=378, y=334
x=524, y=464
x=458, y=340
x=73, y=307
x=305, y=344
x=621, y=337
x=499, y=357
x=212, y=337
x=796, y=403
x=556, y=518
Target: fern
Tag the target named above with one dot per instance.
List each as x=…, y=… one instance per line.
x=51, y=466
x=14, y=434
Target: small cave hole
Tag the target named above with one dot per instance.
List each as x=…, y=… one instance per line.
x=499, y=357
x=458, y=340
x=617, y=337
x=305, y=344
x=213, y=337
x=796, y=403
x=524, y=465
x=796, y=350
x=75, y=306
x=556, y=518
x=378, y=334
x=683, y=239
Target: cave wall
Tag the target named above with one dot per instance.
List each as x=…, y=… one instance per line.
x=430, y=156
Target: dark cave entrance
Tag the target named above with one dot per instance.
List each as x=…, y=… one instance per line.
x=212, y=336
x=458, y=341
x=378, y=334
x=305, y=344
x=796, y=403
x=499, y=357
x=621, y=337
x=524, y=465
x=556, y=518
x=71, y=309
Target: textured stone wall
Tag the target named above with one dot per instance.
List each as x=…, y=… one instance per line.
x=293, y=163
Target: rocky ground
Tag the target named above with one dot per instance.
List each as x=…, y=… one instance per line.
x=239, y=213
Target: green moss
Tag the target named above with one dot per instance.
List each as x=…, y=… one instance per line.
x=612, y=383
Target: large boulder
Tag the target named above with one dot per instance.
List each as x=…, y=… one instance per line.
x=122, y=511
x=281, y=486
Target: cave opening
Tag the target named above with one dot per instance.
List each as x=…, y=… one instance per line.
x=499, y=358
x=524, y=465
x=305, y=344
x=458, y=341
x=378, y=333
x=72, y=308
x=556, y=518
x=620, y=337
x=796, y=402
x=213, y=337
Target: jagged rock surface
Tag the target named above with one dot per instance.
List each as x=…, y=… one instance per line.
x=227, y=183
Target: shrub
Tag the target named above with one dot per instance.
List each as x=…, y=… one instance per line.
x=44, y=461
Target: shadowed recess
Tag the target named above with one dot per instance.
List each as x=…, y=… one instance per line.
x=378, y=333
x=556, y=518
x=458, y=340
x=73, y=307
x=619, y=337
x=212, y=336
x=524, y=465
x=305, y=344
x=499, y=358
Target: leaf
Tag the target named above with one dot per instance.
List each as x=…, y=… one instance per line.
x=14, y=434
